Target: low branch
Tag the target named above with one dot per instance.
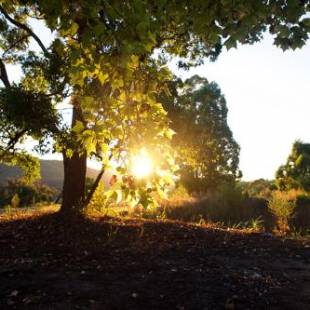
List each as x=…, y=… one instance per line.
x=94, y=187
x=26, y=28
x=4, y=75
x=58, y=198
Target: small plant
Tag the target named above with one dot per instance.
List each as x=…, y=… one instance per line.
x=296, y=233
x=239, y=225
x=256, y=224
x=8, y=210
x=282, y=205
x=15, y=201
x=202, y=221
x=163, y=215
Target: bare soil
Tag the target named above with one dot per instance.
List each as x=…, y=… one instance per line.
x=47, y=262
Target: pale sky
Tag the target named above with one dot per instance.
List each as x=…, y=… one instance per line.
x=268, y=97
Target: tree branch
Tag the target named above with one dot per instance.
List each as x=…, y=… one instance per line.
x=26, y=28
x=15, y=139
x=15, y=44
x=95, y=185
x=4, y=75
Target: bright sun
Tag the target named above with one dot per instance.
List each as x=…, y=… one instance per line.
x=141, y=164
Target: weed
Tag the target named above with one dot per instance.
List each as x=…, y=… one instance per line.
x=112, y=234
x=256, y=223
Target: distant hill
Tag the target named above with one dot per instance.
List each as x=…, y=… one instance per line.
x=51, y=172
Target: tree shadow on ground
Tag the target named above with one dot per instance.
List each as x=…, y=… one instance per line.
x=48, y=262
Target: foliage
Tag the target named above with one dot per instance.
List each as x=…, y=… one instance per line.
x=102, y=56
x=296, y=172
x=19, y=193
x=23, y=111
x=207, y=153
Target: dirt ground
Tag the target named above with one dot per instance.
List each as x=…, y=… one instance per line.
x=102, y=263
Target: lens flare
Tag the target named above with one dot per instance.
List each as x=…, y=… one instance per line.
x=142, y=164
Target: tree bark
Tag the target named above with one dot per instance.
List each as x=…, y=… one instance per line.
x=74, y=175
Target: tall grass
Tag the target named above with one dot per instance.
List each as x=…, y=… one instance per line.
x=227, y=206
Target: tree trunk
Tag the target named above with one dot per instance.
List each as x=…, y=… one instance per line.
x=74, y=183
x=74, y=175
x=75, y=167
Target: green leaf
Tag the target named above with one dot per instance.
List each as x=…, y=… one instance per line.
x=102, y=77
x=169, y=133
x=71, y=30
x=78, y=127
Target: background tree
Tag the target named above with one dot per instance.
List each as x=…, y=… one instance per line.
x=24, y=114
x=26, y=194
x=261, y=188
x=101, y=57
x=295, y=173
x=207, y=153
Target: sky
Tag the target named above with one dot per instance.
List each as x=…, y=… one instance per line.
x=268, y=97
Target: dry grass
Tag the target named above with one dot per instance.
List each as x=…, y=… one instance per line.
x=9, y=213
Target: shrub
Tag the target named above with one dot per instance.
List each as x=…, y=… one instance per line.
x=282, y=205
x=300, y=219
x=98, y=202
x=228, y=203
x=102, y=203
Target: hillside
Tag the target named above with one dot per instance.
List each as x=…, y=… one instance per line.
x=51, y=172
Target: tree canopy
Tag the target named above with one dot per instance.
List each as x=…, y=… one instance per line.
x=109, y=58
x=206, y=150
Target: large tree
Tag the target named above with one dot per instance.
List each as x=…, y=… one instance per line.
x=102, y=57
x=295, y=173
x=207, y=153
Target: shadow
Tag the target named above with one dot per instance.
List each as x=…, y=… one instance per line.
x=103, y=263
